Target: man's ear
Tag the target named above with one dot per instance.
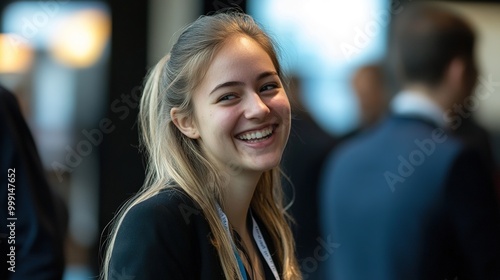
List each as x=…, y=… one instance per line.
x=184, y=123
x=455, y=73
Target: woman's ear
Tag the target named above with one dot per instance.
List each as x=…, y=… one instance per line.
x=184, y=123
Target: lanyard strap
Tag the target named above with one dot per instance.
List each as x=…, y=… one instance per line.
x=261, y=243
x=225, y=222
x=259, y=239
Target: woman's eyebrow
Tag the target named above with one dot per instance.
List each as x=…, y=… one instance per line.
x=238, y=83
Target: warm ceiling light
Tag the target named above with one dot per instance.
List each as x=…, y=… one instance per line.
x=16, y=55
x=81, y=39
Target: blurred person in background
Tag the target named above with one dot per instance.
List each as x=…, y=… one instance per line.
x=475, y=135
x=33, y=229
x=368, y=83
x=409, y=199
x=215, y=119
x=304, y=155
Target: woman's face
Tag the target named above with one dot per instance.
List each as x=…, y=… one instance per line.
x=242, y=113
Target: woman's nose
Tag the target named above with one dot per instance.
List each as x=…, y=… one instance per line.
x=255, y=107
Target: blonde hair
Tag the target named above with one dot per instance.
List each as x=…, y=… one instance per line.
x=172, y=156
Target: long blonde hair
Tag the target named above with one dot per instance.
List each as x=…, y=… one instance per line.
x=174, y=157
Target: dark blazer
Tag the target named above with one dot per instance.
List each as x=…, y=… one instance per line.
x=41, y=214
x=168, y=237
x=408, y=201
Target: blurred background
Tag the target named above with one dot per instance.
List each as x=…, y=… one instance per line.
x=77, y=68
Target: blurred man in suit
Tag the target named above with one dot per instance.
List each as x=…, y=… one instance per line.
x=409, y=200
x=32, y=230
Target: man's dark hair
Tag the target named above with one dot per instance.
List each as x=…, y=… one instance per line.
x=426, y=38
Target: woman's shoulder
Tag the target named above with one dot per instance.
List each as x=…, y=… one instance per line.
x=169, y=206
x=170, y=198
x=161, y=237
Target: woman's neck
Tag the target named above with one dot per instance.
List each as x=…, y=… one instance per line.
x=237, y=198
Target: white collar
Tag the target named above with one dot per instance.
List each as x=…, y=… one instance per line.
x=418, y=104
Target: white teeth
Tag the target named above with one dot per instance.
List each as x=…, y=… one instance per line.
x=257, y=134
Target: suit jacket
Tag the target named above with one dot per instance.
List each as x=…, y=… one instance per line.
x=40, y=214
x=168, y=237
x=408, y=201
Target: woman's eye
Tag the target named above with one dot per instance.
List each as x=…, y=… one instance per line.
x=227, y=97
x=268, y=87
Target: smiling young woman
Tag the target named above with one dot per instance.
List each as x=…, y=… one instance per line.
x=215, y=119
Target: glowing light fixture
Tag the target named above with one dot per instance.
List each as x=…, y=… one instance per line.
x=16, y=55
x=81, y=38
